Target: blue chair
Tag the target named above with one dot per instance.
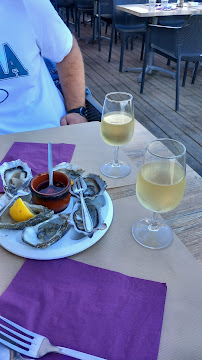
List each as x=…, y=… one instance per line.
x=126, y=25
x=175, y=20
x=176, y=44
x=68, y=5
x=104, y=13
x=84, y=7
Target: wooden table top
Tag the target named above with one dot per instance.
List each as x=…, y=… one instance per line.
x=142, y=10
x=185, y=220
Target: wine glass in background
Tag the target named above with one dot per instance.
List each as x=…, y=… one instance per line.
x=117, y=128
x=159, y=188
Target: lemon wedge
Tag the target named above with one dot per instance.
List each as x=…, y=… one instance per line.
x=19, y=211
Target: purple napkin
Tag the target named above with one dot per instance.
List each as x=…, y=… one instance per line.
x=36, y=155
x=86, y=308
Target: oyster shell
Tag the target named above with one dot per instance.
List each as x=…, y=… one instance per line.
x=14, y=174
x=71, y=170
x=95, y=187
x=95, y=213
x=42, y=213
x=46, y=233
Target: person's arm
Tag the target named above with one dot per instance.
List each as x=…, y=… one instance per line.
x=72, y=78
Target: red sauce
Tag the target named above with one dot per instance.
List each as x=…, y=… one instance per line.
x=44, y=187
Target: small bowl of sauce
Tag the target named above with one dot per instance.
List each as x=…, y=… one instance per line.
x=55, y=197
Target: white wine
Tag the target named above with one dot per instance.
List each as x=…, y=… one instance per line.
x=117, y=128
x=160, y=185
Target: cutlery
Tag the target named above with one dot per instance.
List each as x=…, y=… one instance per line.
x=35, y=345
x=50, y=165
x=79, y=187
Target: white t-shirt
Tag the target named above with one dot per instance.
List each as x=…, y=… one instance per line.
x=29, y=31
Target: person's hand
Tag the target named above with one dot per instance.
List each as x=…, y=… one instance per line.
x=71, y=119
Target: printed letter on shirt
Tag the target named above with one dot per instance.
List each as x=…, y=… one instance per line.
x=14, y=66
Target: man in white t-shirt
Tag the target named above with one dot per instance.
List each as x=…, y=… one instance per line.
x=31, y=30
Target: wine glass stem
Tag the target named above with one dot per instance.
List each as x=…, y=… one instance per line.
x=154, y=226
x=116, y=152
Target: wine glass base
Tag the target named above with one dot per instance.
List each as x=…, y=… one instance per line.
x=157, y=237
x=115, y=171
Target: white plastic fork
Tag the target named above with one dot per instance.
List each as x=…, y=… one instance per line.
x=35, y=345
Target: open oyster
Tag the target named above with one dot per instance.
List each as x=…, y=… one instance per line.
x=41, y=214
x=95, y=213
x=71, y=170
x=46, y=233
x=14, y=174
x=95, y=187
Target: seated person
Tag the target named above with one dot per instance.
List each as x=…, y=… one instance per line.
x=31, y=30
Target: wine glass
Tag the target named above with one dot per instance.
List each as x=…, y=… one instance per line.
x=117, y=128
x=159, y=188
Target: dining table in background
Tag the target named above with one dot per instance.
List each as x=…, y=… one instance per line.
x=179, y=265
x=143, y=10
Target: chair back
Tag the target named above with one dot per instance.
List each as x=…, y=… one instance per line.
x=175, y=20
x=64, y=3
x=84, y=4
x=190, y=37
x=123, y=19
x=106, y=7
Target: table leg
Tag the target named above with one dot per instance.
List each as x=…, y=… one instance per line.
x=150, y=66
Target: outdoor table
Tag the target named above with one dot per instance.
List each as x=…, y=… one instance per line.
x=143, y=10
x=179, y=265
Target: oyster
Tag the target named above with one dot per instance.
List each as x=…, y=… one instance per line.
x=71, y=170
x=14, y=174
x=95, y=187
x=95, y=213
x=42, y=213
x=47, y=233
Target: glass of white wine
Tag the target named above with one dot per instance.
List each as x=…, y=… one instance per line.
x=117, y=128
x=159, y=188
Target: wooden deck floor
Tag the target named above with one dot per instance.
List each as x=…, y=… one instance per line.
x=155, y=107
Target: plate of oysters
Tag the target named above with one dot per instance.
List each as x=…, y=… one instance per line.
x=48, y=235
